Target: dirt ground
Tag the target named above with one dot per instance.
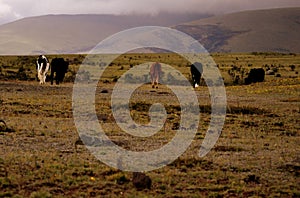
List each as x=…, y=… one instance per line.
x=257, y=154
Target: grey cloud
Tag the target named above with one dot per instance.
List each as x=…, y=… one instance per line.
x=14, y=9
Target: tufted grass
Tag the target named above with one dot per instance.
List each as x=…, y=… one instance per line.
x=256, y=155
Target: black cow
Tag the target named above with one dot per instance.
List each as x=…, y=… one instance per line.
x=255, y=75
x=60, y=67
x=196, y=72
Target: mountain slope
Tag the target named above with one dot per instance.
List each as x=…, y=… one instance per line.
x=52, y=34
x=275, y=30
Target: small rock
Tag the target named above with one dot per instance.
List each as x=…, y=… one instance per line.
x=270, y=72
x=3, y=126
x=278, y=75
x=141, y=181
x=252, y=179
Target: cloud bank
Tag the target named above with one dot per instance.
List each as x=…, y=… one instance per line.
x=11, y=10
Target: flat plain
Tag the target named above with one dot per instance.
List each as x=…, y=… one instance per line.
x=257, y=154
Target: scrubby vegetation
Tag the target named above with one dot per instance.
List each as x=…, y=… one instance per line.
x=257, y=154
x=235, y=68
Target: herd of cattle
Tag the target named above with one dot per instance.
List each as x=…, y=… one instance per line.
x=59, y=68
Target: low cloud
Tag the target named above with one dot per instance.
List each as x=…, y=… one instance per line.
x=14, y=9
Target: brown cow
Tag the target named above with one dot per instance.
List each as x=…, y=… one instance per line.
x=155, y=73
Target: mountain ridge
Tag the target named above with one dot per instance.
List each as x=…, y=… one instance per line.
x=66, y=33
x=273, y=30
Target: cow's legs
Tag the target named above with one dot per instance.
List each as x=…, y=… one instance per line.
x=196, y=81
x=45, y=72
x=152, y=81
x=156, y=81
x=42, y=77
x=51, y=76
x=57, y=78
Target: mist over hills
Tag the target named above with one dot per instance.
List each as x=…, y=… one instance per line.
x=55, y=34
x=274, y=30
x=260, y=30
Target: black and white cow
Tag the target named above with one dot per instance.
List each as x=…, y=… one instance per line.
x=42, y=67
x=196, y=72
x=60, y=67
x=155, y=74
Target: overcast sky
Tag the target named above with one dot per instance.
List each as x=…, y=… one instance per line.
x=11, y=10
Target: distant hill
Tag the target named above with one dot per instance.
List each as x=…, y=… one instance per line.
x=57, y=34
x=274, y=30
